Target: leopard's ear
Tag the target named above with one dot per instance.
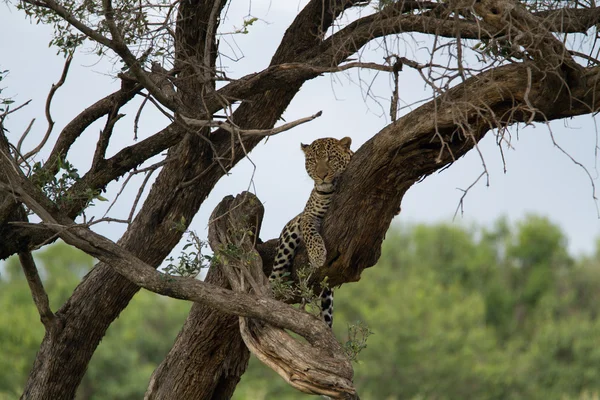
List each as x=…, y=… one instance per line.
x=304, y=147
x=346, y=142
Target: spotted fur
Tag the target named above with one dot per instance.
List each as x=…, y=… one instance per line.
x=325, y=160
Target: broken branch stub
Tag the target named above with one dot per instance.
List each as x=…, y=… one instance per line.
x=317, y=366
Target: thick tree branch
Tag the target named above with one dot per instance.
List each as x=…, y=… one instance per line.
x=84, y=119
x=141, y=274
x=386, y=166
x=274, y=77
x=399, y=18
x=306, y=366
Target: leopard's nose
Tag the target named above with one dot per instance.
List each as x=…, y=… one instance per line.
x=322, y=170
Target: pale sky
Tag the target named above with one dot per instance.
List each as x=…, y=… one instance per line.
x=539, y=179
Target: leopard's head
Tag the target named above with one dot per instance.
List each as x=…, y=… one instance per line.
x=326, y=159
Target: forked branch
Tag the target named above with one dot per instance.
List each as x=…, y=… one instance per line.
x=314, y=367
x=140, y=273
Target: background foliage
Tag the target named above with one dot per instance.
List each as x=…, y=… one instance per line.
x=457, y=313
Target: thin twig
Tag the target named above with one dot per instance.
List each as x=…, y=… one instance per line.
x=107, y=219
x=53, y=90
x=141, y=189
x=12, y=110
x=583, y=167
x=137, y=116
x=150, y=169
x=465, y=191
x=24, y=135
x=228, y=126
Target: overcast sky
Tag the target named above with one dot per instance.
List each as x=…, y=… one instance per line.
x=539, y=179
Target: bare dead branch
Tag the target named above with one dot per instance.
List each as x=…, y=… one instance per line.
x=140, y=273
x=580, y=165
x=9, y=110
x=53, y=90
x=230, y=127
x=38, y=293
x=461, y=201
x=23, y=136
x=104, y=138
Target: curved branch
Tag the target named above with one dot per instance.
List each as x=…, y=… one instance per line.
x=53, y=90
x=399, y=18
x=385, y=167
x=306, y=366
x=141, y=274
x=404, y=152
x=38, y=293
x=75, y=128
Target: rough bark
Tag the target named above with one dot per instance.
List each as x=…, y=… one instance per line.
x=316, y=17
x=58, y=370
x=215, y=336
x=317, y=365
x=375, y=182
x=415, y=146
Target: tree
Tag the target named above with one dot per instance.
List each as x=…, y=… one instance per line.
x=431, y=334
x=492, y=64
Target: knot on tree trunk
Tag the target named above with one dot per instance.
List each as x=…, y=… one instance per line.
x=317, y=366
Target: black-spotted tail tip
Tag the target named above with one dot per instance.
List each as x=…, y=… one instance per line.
x=328, y=320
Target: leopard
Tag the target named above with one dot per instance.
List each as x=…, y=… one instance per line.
x=325, y=160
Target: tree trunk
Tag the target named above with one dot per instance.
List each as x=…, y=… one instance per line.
x=209, y=357
x=208, y=351
x=103, y=294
